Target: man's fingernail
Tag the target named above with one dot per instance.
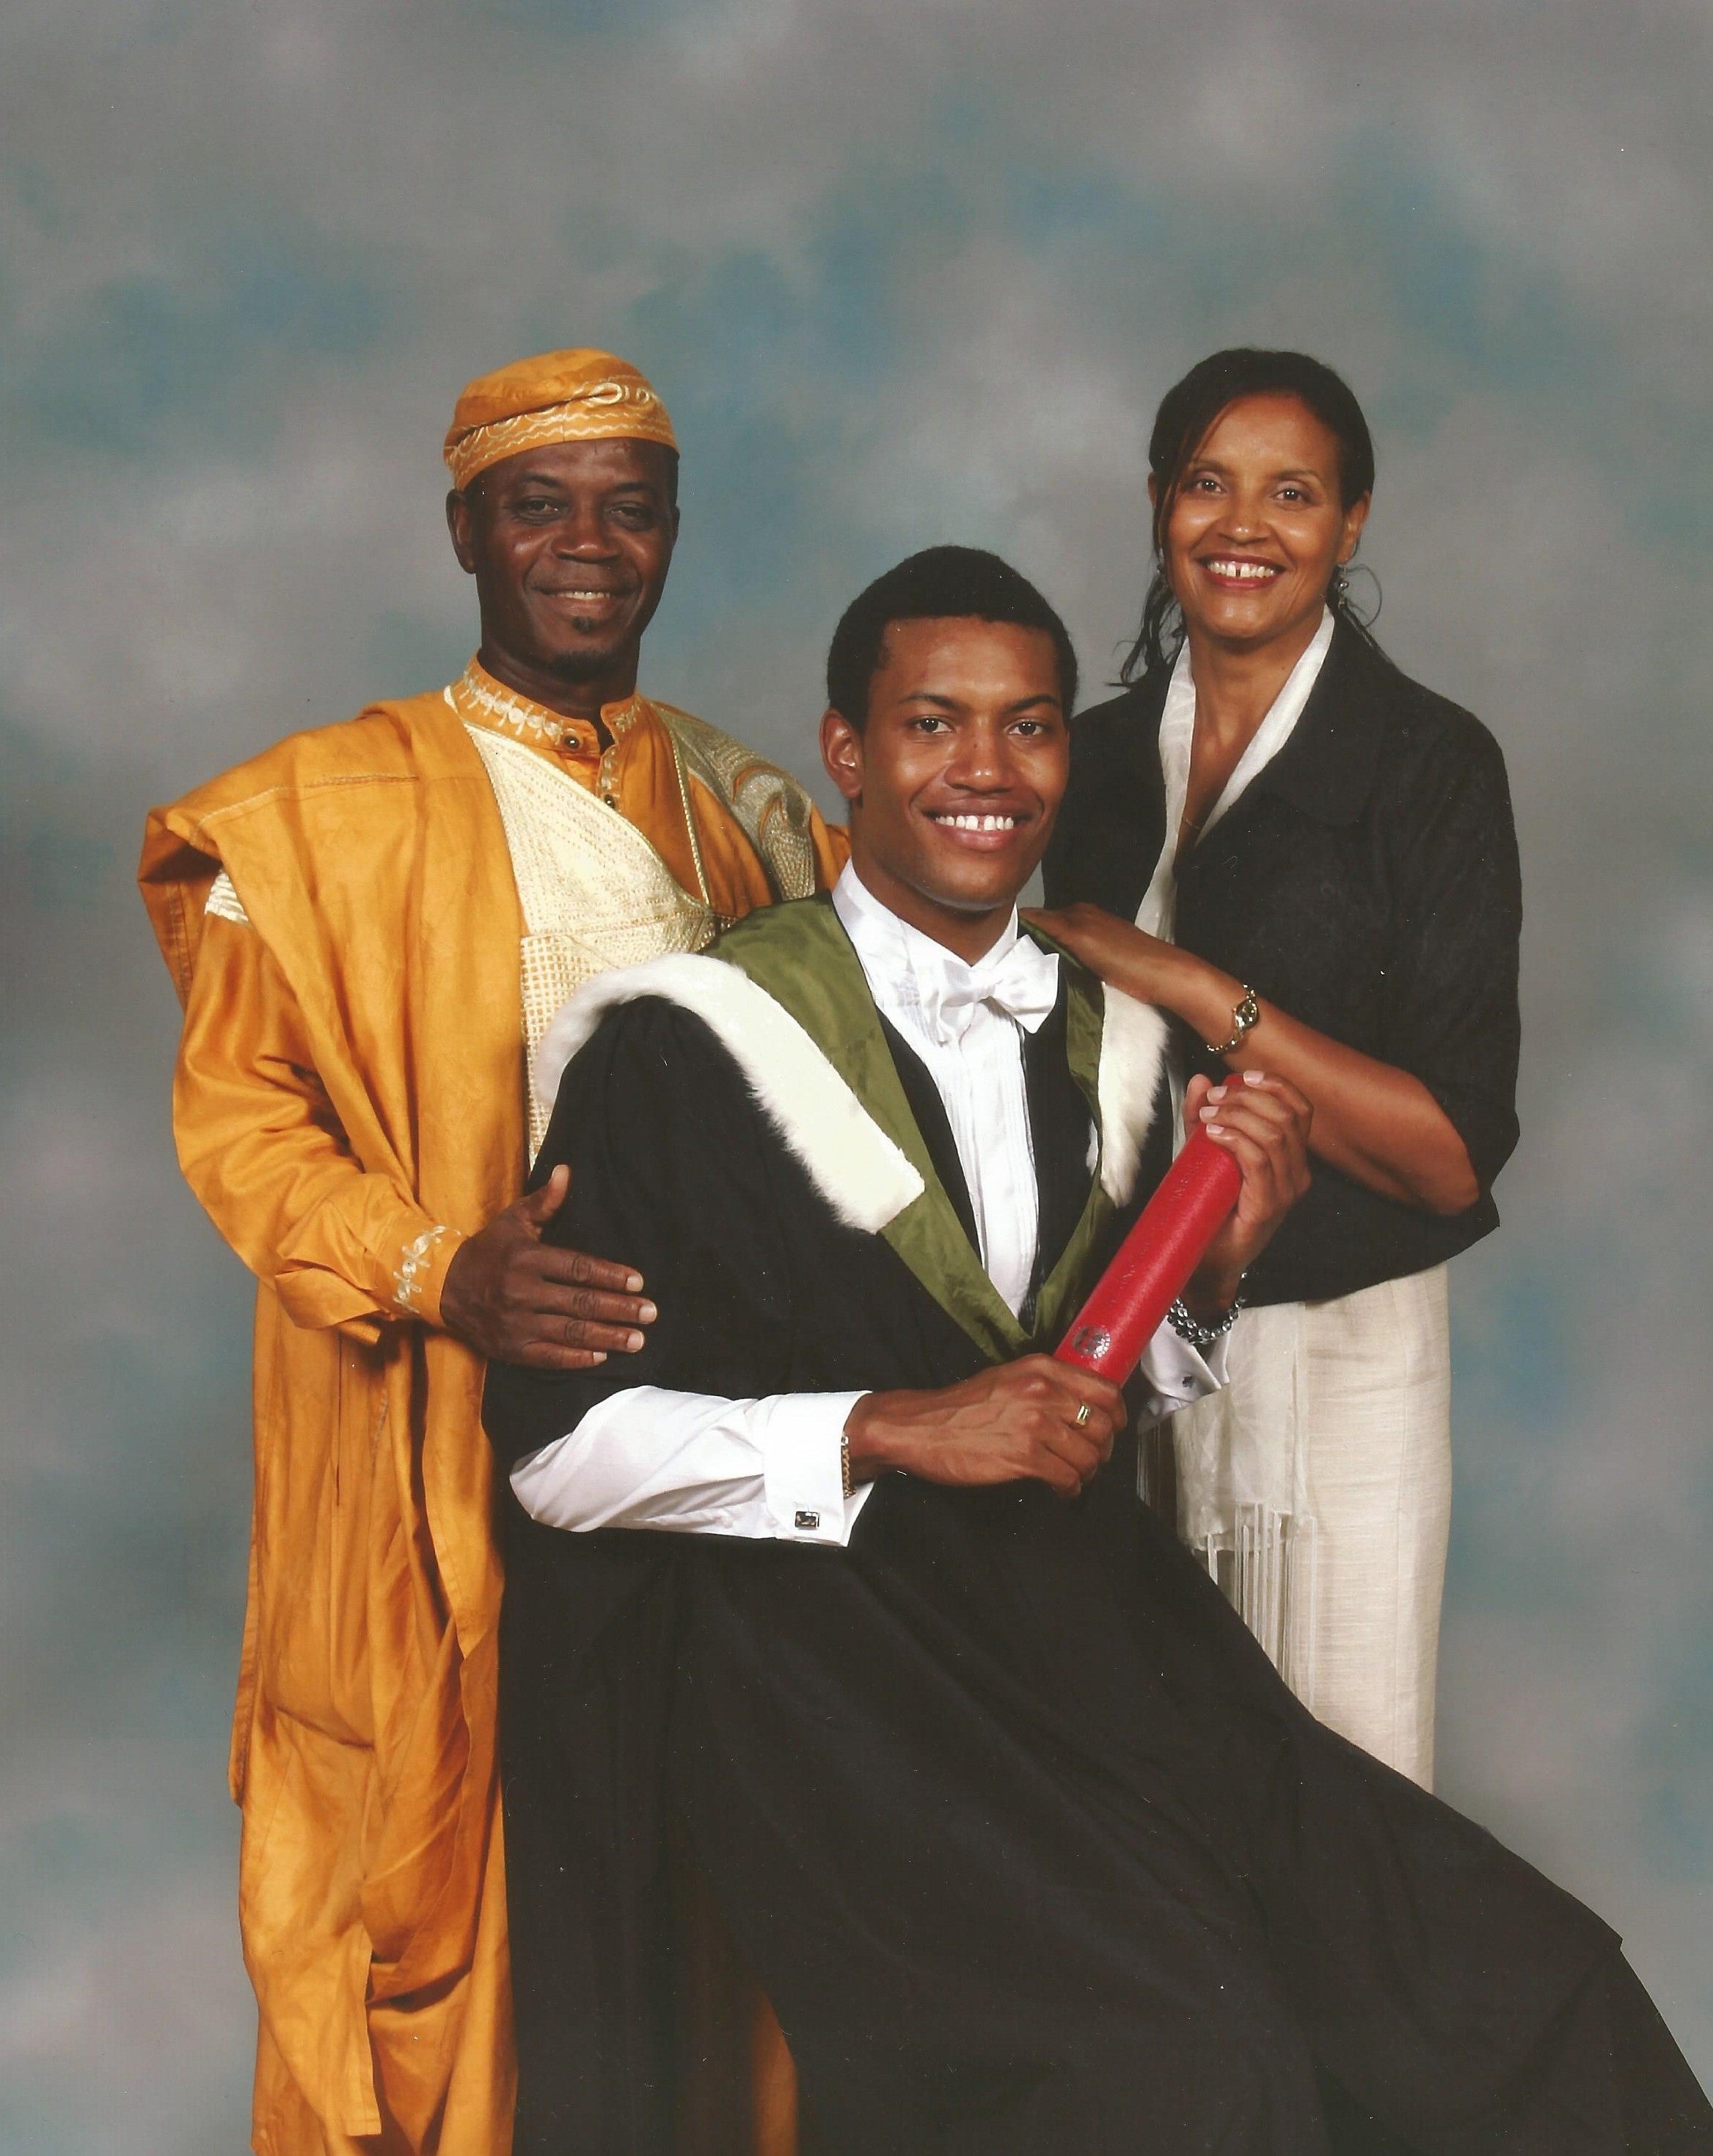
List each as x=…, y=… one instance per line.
x=633, y=1283
x=647, y=1313
x=1216, y=1093
x=1208, y=1114
x=633, y=1341
x=1216, y=1130
x=599, y=1354
x=1255, y=1077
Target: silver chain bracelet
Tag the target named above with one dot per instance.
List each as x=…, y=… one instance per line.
x=1193, y=1332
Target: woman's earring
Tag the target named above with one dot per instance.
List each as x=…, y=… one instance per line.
x=1338, y=591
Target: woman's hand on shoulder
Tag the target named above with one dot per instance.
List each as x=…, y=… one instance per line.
x=1119, y=952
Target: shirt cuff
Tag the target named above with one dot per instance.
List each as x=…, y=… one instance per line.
x=1176, y=1375
x=801, y=1438
x=419, y=1275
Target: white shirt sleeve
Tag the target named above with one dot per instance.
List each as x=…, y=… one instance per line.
x=769, y=1469
x=1175, y=1374
x=694, y=1463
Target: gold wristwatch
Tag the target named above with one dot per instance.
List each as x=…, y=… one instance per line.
x=1247, y=1014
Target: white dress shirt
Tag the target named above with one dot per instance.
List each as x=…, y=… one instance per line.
x=766, y=1468
x=966, y=1023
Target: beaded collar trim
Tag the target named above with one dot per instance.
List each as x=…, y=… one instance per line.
x=477, y=696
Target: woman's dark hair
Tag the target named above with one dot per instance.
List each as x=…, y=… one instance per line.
x=1186, y=417
x=940, y=583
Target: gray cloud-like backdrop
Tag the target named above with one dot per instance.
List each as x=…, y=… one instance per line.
x=904, y=270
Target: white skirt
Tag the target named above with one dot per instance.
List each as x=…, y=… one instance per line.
x=1317, y=1488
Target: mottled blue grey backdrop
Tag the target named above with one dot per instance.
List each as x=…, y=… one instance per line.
x=904, y=270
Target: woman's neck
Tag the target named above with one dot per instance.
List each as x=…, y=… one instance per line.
x=1238, y=684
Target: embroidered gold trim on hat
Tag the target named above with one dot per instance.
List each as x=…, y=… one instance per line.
x=605, y=410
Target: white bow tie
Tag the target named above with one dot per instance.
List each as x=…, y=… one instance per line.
x=1023, y=984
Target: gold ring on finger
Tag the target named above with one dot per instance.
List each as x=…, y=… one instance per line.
x=1082, y=1415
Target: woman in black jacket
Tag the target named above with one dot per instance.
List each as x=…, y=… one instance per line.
x=1319, y=859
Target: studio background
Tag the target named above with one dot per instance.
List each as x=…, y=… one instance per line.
x=903, y=273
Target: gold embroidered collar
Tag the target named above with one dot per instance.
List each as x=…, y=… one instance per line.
x=476, y=695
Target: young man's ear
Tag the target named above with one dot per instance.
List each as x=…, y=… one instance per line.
x=842, y=753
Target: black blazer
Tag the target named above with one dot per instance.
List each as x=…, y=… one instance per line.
x=1367, y=884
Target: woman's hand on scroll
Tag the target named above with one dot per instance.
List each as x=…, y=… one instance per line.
x=1263, y=1123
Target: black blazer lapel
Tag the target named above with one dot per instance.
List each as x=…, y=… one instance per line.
x=1327, y=768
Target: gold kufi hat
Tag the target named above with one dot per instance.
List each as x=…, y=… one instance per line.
x=578, y=396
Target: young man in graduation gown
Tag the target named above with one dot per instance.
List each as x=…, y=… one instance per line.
x=1027, y=1841
x=370, y=925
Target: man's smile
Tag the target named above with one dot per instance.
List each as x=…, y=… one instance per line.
x=582, y=595
x=985, y=830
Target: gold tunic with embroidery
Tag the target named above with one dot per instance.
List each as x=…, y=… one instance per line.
x=365, y=924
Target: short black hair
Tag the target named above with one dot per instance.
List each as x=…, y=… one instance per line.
x=941, y=584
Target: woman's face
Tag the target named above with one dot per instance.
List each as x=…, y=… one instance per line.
x=1256, y=527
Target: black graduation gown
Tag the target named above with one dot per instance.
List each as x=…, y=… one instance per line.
x=1029, y=1846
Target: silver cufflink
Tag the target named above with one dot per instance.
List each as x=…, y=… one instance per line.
x=807, y=1523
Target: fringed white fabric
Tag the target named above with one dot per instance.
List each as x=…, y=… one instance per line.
x=1242, y=1490
x=1315, y=1487
x=1264, y=1565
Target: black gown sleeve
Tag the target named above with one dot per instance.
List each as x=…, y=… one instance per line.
x=1449, y=1002
x=672, y=1173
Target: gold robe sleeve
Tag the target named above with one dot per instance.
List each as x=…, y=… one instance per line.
x=260, y=1146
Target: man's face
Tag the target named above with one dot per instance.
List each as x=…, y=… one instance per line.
x=957, y=776
x=569, y=546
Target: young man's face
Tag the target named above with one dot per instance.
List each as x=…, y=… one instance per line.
x=956, y=777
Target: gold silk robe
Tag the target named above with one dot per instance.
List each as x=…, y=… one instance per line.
x=342, y=921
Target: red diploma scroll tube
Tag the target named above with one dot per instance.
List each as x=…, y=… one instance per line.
x=1154, y=1261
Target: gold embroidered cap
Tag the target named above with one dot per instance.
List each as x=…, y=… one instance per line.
x=578, y=396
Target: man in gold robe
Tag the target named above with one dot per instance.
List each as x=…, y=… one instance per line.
x=369, y=927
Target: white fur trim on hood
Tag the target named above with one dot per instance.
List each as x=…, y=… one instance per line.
x=856, y=1168
x=1132, y=1057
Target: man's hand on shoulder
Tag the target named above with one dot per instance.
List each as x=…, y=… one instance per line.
x=1034, y=1420
x=517, y=1299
